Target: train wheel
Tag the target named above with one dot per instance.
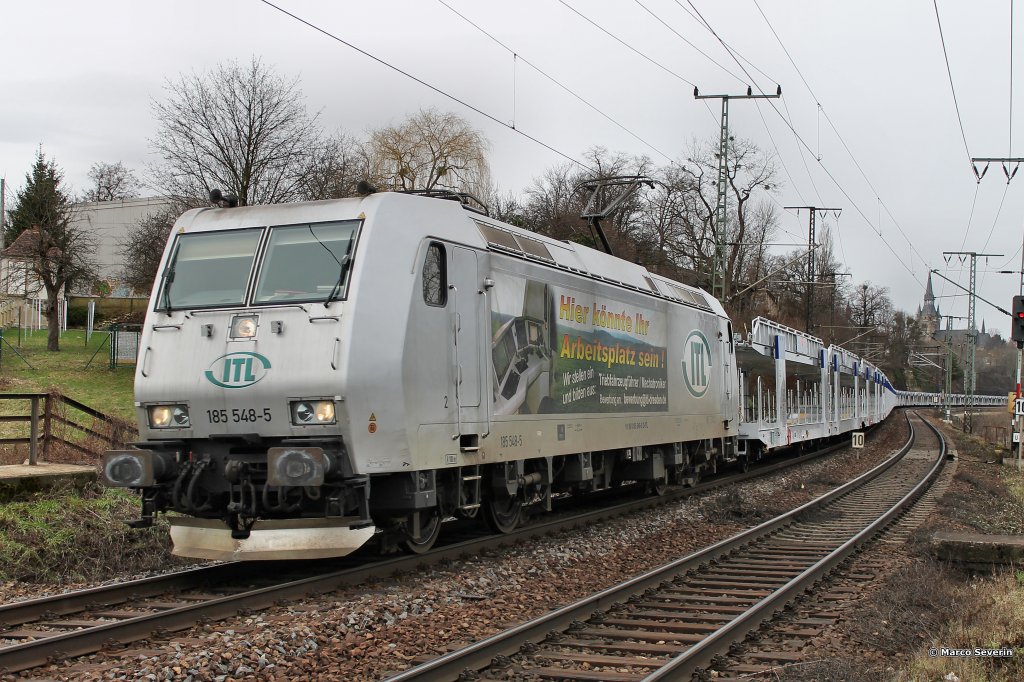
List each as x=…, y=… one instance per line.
x=657, y=487
x=503, y=514
x=430, y=528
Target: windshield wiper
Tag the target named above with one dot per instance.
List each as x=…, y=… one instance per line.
x=336, y=291
x=168, y=280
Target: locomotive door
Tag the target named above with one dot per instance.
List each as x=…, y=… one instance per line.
x=467, y=325
x=730, y=380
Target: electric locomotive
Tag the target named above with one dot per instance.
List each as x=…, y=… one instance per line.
x=313, y=374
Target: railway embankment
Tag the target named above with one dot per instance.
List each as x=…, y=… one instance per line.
x=923, y=616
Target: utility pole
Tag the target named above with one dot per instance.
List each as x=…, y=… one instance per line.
x=718, y=263
x=948, y=389
x=1006, y=162
x=970, y=379
x=813, y=210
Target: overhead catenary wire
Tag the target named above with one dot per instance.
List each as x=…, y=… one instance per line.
x=995, y=220
x=832, y=177
x=752, y=65
x=519, y=57
x=842, y=140
x=632, y=49
x=846, y=147
x=803, y=158
x=625, y=44
x=949, y=72
x=689, y=42
x=678, y=35
x=424, y=83
x=778, y=152
x=963, y=244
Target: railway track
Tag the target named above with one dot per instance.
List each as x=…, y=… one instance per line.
x=39, y=631
x=678, y=620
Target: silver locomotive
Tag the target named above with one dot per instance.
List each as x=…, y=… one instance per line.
x=311, y=375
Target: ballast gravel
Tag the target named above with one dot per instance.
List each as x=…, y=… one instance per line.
x=382, y=627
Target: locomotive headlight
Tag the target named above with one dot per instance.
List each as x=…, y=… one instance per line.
x=169, y=417
x=296, y=467
x=125, y=470
x=243, y=326
x=325, y=412
x=137, y=468
x=311, y=412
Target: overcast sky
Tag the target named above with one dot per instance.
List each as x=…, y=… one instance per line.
x=79, y=78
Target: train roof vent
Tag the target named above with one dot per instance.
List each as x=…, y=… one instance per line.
x=533, y=247
x=499, y=238
x=694, y=297
x=651, y=284
x=699, y=299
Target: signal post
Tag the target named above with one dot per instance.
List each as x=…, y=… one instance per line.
x=1017, y=334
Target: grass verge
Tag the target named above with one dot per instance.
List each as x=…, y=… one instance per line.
x=98, y=386
x=63, y=536
x=993, y=619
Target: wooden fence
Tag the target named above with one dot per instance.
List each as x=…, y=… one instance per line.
x=53, y=426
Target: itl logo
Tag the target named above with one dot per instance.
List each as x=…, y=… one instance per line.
x=237, y=370
x=696, y=363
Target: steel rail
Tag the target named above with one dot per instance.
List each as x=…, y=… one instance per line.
x=21, y=612
x=63, y=645
x=478, y=655
x=702, y=653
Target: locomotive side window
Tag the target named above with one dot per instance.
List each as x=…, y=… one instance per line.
x=209, y=269
x=435, y=289
x=307, y=262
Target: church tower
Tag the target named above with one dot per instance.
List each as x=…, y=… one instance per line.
x=929, y=316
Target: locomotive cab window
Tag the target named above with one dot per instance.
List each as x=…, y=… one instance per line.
x=208, y=269
x=435, y=285
x=308, y=263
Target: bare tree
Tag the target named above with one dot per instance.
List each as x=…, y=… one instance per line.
x=111, y=182
x=243, y=129
x=551, y=207
x=554, y=203
x=143, y=247
x=430, y=150
x=749, y=170
x=336, y=167
x=870, y=306
x=50, y=248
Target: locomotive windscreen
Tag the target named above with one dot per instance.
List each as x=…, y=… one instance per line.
x=209, y=269
x=306, y=262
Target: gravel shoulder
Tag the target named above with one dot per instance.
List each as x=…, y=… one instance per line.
x=916, y=603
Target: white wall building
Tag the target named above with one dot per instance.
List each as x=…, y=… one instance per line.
x=111, y=221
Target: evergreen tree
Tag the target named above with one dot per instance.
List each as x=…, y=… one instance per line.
x=42, y=201
x=61, y=252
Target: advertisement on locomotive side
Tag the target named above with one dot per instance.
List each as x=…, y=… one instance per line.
x=557, y=350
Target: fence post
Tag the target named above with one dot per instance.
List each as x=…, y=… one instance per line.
x=47, y=411
x=34, y=436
